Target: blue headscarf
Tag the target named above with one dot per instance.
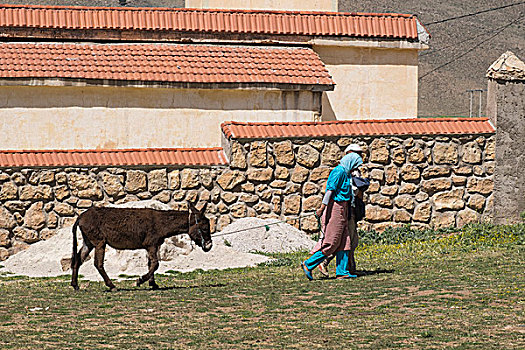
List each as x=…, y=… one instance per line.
x=350, y=162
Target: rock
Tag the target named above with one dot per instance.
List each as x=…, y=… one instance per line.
x=374, y=213
x=192, y=196
x=445, y=153
x=344, y=141
x=224, y=220
x=282, y=173
x=398, y=156
x=379, y=152
x=435, y=171
x=317, y=144
x=135, y=181
x=459, y=180
x=4, y=254
x=292, y=188
x=158, y=180
x=61, y=192
x=174, y=180
x=276, y=204
x=257, y=155
x=478, y=170
x=423, y=212
x=238, y=210
x=292, y=205
x=262, y=208
x=436, y=185
x=8, y=191
x=490, y=150
x=178, y=195
x=64, y=209
x=18, y=179
x=331, y=154
x=463, y=170
x=61, y=178
x=7, y=220
x=377, y=174
x=408, y=188
x=410, y=173
x=416, y=155
x=319, y=174
x=16, y=205
x=312, y=203
x=284, y=154
x=189, y=178
x=52, y=220
x=5, y=240
x=389, y=190
x=466, y=216
x=229, y=197
x=35, y=217
x=452, y=200
x=280, y=184
x=483, y=186
x=237, y=156
x=391, y=176
x=260, y=175
x=443, y=220
x=406, y=202
x=249, y=198
x=26, y=235
x=299, y=174
x=374, y=187
x=307, y=156
x=248, y=187
x=204, y=196
x=401, y=216
x=310, y=224
x=207, y=176
x=380, y=227
x=380, y=200
x=476, y=202
x=36, y=193
x=230, y=179
x=310, y=188
x=84, y=186
x=421, y=196
x=112, y=185
x=471, y=153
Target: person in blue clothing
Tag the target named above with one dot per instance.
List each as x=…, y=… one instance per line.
x=334, y=219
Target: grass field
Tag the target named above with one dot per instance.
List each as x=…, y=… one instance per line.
x=457, y=291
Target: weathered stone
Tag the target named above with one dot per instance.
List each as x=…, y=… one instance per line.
x=309, y=224
x=442, y=220
x=222, y=208
x=436, y=185
x=19, y=219
x=178, y=195
x=135, y=181
x=299, y=174
x=192, y=196
x=283, y=152
x=266, y=195
x=483, y=186
x=405, y=202
x=46, y=234
x=379, y=152
x=230, y=179
x=249, y=198
x=174, y=180
x=238, y=210
x=471, y=153
x=229, y=197
x=317, y=144
x=416, y=155
x=310, y=188
x=389, y=190
x=260, y=175
x=215, y=195
x=466, y=216
x=61, y=192
x=391, y=176
x=459, y=180
x=382, y=226
x=64, y=209
x=478, y=170
x=35, y=217
x=47, y=177
x=282, y=173
x=18, y=179
x=7, y=220
x=476, y=202
x=276, y=204
x=408, y=188
x=257, y=155
x=377, y=174
x=331, y=154
x=423, y=212
x=16, y=205
x=248, y=187
x=278, y=184
x=61, y=178
x=374, y=187
x=49, y=206
x=312, y=203
x=165, y=196
x=490, y=150
x=319, y=174
x=84, y=186
x=490, y=167
x=307, y=156
x=421, y=196
x=292, y=188
x=8, y=191
x=262, y=208
x=144, y=195
x=189, y=178
x=401, y=216
x=380, y=200
x=4, y=254
x=398, y=156
x=26, y=235
x=374, y=213
x=36, y=193
x=344, y=141
x=5, y=240
x=223, y=221
x=435, y=171
x=4, y=177
x=451, y=200
x=463, y=170
x=292, y=205
x=112, y=185
x=446, y=153
x=157, y=180
x=237, y=156
x=52, y=220
x=410, y=173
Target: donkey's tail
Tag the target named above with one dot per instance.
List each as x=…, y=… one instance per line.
x=74, y=256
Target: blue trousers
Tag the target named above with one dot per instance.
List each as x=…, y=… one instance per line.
x=341, y=260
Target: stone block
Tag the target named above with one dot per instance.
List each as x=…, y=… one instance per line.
x=379, y=152
x=64, y=209
x=249, y=198
x=484, y=186
x=410, y=173
x=112, y=185
x=292, y=189
x=398, y=156
x=5, y=239
x=84, y=186
x=435, y=171
x=331, y=154
x=238, y=210
x=374, y=187
x=451, y=200
x=260, y=175
x=467, y=216
x=312, y=203
x=443, y=220
x=374, y=214
x=436, y=185
x=189, y=178
x=174, y=180
x=8, y=191
x=299, y=174
x=307, y=156
x=309, y=224
x=282, y=173
x=229, y=179
x=223, y=221
x=292, y=205
x=135, y=181
x=416, y=155
x=445, y=153
x=35, y=217
x=317, y=144
x=377, y=174
x=284, y=154
x=165, y=196
x=319, y=174
x=463, y=170
x=471, y=153
x=405, y=202
x=26, y=235
x=389, y=190
x=490, y=150
x=157, y=180
x=310, y=188
x=258, y=154
x=391, y=175
x=262, y=208
x=401, y=216
x=279, y=184
x=36, y=193
x=423, y=212
x=237, y=156
x=408, y=188
x=476, y=202
x=380, y=200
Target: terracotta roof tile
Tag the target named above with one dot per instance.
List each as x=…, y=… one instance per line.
x=385, y=25
x=128, y=157
x=415, y=126
x=163, y=63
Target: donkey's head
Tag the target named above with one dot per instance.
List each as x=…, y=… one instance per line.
x=200, y=228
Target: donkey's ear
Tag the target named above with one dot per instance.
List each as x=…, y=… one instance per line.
x=193, y=209
x=203, y=209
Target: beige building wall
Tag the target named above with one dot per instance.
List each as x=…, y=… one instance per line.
x=299, y=5
x=371, y=83
x=73, y=117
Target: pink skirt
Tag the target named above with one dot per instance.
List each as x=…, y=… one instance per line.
x=334, y=224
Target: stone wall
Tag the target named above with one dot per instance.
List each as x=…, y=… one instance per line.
x=424, y=181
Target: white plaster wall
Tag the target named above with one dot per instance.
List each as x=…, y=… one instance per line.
x=298, y=5
x=63, y=117
x=371, y=83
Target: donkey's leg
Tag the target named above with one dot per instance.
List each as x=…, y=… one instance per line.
x=100, y=251
x=153, y=264
x=82, y=254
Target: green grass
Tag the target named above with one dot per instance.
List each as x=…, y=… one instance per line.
x=446, y=290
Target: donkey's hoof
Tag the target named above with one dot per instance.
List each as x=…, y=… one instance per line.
x=154, y=286
x=113, y=289
x=139, y=282
x=76, y=288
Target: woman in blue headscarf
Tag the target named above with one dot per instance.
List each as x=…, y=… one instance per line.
x=334, y=218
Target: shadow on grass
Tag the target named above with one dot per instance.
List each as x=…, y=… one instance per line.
x=196, y=286
x=363, y=273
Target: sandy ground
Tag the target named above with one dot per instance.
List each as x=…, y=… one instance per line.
x=52, y=257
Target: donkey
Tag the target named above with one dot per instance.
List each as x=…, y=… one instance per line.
x=134, y=228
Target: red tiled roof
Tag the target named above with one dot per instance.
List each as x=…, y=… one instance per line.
x=163, y=63
x=125, y=157
x=419, y=126
x=383, y=25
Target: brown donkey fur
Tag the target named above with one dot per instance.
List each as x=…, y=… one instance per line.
x=134, y=228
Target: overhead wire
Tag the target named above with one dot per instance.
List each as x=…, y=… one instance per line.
x=475, y=13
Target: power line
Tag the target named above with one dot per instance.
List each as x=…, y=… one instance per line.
x=475, y=13
x=501, y=29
